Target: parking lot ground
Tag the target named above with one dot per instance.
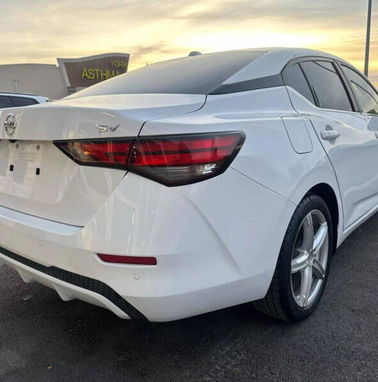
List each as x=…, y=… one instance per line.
x=44, y=339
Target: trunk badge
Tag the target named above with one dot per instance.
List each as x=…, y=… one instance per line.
x=10, y=124
x=103, y=128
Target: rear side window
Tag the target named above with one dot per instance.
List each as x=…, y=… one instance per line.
x=23, y=101
x=190, y=75
x=366, y=95
x=5, y=102
x=327, y=85
x=294, y=77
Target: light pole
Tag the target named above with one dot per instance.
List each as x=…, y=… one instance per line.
x=367, y=48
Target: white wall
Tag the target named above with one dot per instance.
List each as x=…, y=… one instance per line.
x=40, y=79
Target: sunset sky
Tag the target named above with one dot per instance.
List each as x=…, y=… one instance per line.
x=153, y=30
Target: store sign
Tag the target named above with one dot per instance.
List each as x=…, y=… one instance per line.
x=87, y=71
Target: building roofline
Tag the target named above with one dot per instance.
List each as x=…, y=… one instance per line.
x=29, y=63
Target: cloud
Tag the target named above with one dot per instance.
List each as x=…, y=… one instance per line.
x=151, y=30
x=291, y=11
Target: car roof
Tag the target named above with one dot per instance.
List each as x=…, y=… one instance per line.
x=272, y=62
x=234, y=67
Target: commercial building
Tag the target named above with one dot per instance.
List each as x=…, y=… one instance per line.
x=69, y=76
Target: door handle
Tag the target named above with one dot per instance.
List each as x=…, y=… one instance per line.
x=329, y=135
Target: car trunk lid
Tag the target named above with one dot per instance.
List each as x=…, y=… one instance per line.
x=38, y=179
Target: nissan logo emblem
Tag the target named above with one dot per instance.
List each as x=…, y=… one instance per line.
x=10, y=124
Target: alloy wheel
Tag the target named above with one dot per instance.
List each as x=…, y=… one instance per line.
x=310, y=259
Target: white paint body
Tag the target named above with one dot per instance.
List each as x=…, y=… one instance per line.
x=216, y=241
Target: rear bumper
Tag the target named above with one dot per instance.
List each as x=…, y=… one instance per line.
x=216, y=243
x=70, y=286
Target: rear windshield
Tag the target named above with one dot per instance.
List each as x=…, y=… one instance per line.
x=190, y=75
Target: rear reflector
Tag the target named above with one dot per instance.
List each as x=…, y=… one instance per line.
x=170, y=160
x=115, y=259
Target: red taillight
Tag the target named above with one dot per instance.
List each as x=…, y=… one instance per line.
x=171, y=160
x=183, y=159
x=136, y=260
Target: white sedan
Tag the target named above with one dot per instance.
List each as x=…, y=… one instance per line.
x=192, y=185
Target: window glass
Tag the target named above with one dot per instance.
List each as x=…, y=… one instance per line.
x=363, y=91
x=294, y=77
x=190, y=75
x=23, y=101
x=5, y=102
x=327, y=85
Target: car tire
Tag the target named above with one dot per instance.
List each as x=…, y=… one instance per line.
x=301, y=274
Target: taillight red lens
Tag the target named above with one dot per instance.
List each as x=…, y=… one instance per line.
x=98, y=152
x=171, y=160
x=183, y=159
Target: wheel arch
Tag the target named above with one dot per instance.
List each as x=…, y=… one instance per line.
x=327, y=193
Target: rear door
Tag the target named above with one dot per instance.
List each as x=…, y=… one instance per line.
x=344, y=134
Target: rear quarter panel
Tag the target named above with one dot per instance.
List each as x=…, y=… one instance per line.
x=267, y=156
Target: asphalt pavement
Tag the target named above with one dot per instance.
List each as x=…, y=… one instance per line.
x=45, y=339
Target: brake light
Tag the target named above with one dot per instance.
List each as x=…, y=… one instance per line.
x=170, y=160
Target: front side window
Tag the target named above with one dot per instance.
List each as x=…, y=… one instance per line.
x=365, y=94
x=293, y=76
x=327, y=85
